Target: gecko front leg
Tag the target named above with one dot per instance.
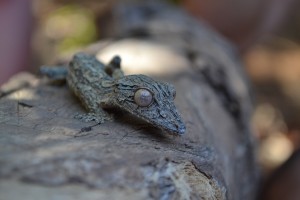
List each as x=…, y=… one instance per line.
x=91, y=102
x=91, y=84
x=87, y=78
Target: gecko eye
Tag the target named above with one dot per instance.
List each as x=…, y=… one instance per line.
x=143, y=97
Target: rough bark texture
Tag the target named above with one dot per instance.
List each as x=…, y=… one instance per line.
x=47, y=154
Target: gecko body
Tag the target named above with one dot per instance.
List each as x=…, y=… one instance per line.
x=99, y=87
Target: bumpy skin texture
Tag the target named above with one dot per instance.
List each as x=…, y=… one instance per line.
x=99, y=86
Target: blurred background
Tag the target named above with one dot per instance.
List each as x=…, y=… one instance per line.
x=266, y=33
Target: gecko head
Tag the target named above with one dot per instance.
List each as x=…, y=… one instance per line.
x=149, y=100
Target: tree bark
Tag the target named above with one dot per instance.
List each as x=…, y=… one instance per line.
x=47, y=154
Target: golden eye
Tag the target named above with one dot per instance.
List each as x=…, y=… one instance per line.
x=143, y=97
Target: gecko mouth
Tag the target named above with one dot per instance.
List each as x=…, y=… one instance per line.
x=168, y=126
x=173, y=126
x=179, y=130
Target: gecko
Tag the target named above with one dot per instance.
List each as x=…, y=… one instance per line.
x=99, y=87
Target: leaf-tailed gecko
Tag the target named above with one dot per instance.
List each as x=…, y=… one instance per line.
x=100, y=86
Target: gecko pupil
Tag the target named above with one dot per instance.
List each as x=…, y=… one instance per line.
x=143, y=97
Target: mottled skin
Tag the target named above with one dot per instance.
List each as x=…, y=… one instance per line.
x=99, y=86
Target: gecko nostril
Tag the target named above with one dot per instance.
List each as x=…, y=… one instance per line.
x=180, y=129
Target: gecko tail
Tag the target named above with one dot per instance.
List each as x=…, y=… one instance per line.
x=54, y=72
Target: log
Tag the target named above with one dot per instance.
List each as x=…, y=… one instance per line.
x=47, y=154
